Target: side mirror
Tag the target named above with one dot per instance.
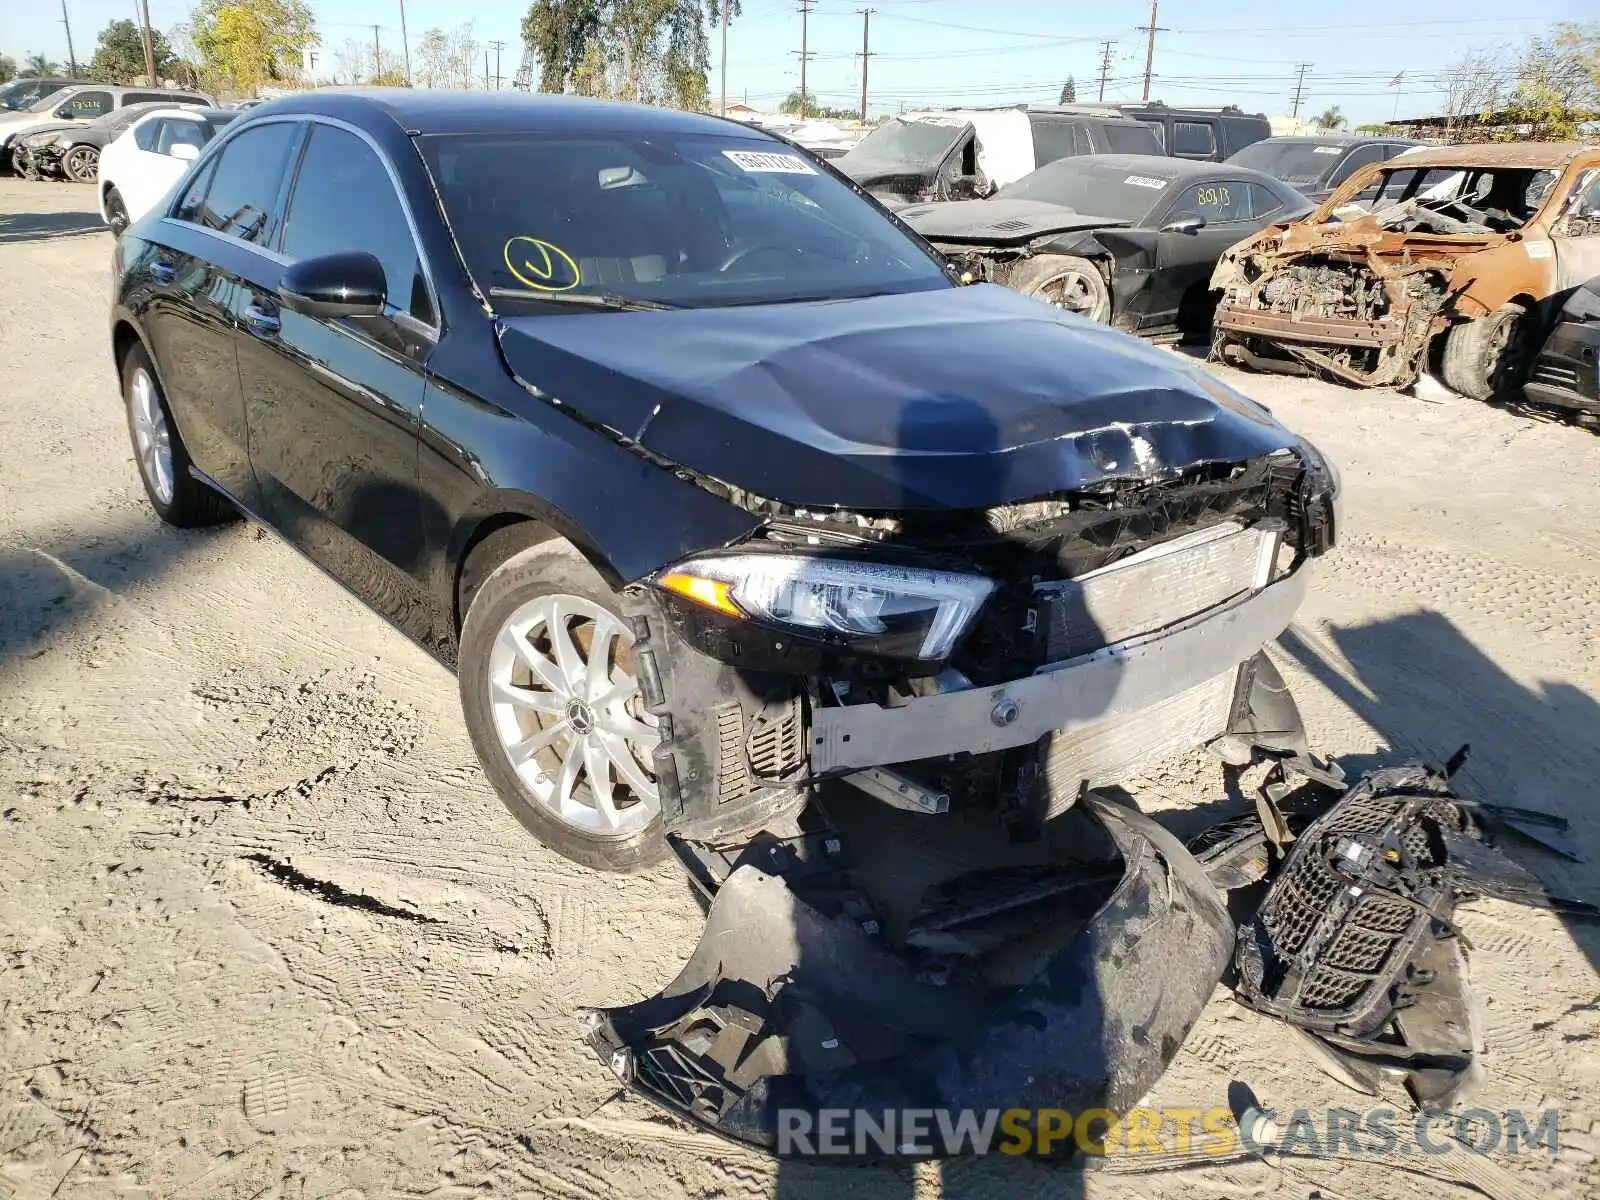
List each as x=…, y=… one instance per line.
x=1187, y=223
x=65, y=113
x=348, y=284
x=184, y=152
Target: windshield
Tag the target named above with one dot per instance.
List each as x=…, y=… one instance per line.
x=49, y=100
x=25, y=92
x=1094, y=188
x=1467, y=201
x=686, y=220
x=910, y=141
x=1292, y=162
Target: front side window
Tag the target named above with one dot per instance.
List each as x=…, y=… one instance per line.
x=337, y=166
x=1159, y=128
x=688, y=220
x=238, y=197
x=86, y=106
x=1141, y=137
x=147, y=134
x=1052, y=140
x=1193, y=139
x=1360, y=157
x=1219, y=202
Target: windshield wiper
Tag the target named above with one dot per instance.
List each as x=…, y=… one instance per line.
x=586, y=299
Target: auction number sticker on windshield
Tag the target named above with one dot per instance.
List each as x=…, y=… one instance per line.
x=1328, y=150
x=768, y=163
x=1146, y=181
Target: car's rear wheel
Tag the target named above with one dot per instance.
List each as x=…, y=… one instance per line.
x=1066, y=281
x=178, y=498
x=553, y=708
x=1488, y=359
x=116, y=212
x=81, y=164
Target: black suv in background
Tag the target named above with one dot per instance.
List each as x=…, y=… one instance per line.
x=1213, y=134
x=969, y=153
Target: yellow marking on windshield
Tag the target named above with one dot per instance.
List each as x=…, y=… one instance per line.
x=541, y=265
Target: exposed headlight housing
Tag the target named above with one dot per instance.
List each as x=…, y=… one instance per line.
x=1323, y=486
x=890, y=610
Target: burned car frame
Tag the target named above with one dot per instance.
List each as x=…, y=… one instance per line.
x=1464, y=254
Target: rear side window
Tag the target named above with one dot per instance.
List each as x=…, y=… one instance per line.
x=1263, y=201
x=237, y=197
x=1193, y=139
x=1053, y=140
x=337, y=166
x=1121, y=137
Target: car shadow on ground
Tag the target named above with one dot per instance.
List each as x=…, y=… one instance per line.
x=40, y=227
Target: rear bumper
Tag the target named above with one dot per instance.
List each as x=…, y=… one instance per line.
x=1089, y=696
x=1566, y=374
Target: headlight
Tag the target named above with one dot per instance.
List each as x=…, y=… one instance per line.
x=1321, y=467
x=900, y=612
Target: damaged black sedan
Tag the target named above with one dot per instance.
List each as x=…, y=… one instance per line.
x=1127, y=239
x=715, y=487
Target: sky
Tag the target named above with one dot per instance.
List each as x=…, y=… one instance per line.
x=946, y=52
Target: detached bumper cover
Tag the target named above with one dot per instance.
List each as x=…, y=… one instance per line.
x=784, y=1014
x=1110, y=684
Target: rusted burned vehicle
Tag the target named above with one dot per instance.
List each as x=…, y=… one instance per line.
x=1460, y=260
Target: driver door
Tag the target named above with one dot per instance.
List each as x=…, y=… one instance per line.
x=1228, y=207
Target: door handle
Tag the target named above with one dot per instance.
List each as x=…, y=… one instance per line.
x=162, y=272
x=262, y=323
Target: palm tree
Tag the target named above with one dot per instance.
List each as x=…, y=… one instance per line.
x=36, y=66
x=1331, y=118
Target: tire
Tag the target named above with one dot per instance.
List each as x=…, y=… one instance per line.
x=116, y=212
x=1489, y=358
x=178, y=498
x=81, y=164
x=1065, y=281
x=510, y=646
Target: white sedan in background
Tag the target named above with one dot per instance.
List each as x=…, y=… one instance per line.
x=140, y=167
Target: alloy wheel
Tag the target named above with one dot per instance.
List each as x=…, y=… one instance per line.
x=152, y=439
x=82, y=164
x=568, y=715
x=1072, y=290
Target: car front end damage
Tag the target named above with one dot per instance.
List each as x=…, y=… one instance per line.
x=1356, y=310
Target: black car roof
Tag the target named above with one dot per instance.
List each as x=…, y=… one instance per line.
x=421, y=111
x=1160, y=166
x=1335, y=139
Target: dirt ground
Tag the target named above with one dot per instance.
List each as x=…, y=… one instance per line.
x=266, y=932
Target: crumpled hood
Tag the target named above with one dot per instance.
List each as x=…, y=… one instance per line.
x=951, y=398
x=997, y=220
x=880, y=172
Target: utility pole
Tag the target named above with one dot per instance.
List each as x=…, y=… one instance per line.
x=72, y=58
x=498, y=46
x=1150, y=46
x=723, y=109
x=1299, y=88
x=805, y=55
x=377, y=54
x=866, y=25
x=149, y=47
x=405, y=41
x=486, y=70
x=1105, y=66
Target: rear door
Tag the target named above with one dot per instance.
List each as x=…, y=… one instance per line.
x=334, y=405
x=216, y=235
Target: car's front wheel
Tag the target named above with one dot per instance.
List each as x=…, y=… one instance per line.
x=81, y=164
x=553, y=707
x=158, y=451
x=1488, y=359
x=1066, y=281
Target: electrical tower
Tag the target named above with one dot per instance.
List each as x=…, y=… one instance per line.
x=1105, y=66
x=1299, y=88
x=524, y=80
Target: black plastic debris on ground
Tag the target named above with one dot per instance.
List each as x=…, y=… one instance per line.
x=1355, y=943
